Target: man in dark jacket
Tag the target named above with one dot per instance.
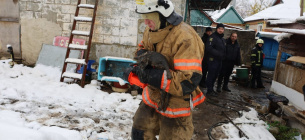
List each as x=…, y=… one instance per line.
x=205, y=37
x=216, y=49
x=232, y=58
x=257, y=57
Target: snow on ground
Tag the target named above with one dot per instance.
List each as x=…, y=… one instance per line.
x=34, y=105
x=254, y=128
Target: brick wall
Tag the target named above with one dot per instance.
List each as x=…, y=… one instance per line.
x=116, y=25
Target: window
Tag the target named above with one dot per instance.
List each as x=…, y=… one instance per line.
x=259, y=27
x=247, y=26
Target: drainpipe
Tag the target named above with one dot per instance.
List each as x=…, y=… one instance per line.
x=186, y=9
x=302, y=7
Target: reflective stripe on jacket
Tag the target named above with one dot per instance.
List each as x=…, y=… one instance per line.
x=257, y=56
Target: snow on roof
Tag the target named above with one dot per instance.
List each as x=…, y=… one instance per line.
x=281, y=21
x=218, y=13
x=293, y=31
x=281, y=36
x=302, y=18
x=267, y=34
x=290, y=9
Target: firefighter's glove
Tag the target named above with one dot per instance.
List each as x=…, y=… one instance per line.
x=143, y=74
x=126, y=73
x=149, y=75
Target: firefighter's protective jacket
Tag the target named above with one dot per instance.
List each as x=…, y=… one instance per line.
x=183, y=50
x=257, y=56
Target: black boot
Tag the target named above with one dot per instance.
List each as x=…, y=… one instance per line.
x=260, y=86
x=218, y=89
x=212, y=93
x=225, y=88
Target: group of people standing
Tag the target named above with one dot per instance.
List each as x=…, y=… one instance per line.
x=221, y=55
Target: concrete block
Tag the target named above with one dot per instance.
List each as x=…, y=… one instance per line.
x=49, y=15
x=68, y=9
x=129, y=40
x=120, y=12
x=86, y=12
x=49, y=1
x=52, y=7
x=72, y=17
x=63, y=17
x=74, y=2
x=103, y=30
x=128, y=4
x=108, y=39
x=141, y=26
x=34, y=6
x=98, y=38
x=62, y=1
x=115, y=31
x=113, y=3
x=26, y=14
x=66, y=33
x=111, y=22
x=84, y=27
x=104, y=12
x=28, y=5
x=37, y=14
x=129, y=22
x=103, y=50
x=22, y=5
x=140, y=38
x=98, y=20
x=128, y=31
x=67, y=26
x=133, y=14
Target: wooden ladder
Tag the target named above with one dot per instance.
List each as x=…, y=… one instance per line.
x=85, y=48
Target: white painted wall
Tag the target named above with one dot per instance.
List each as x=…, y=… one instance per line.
x=295, y=98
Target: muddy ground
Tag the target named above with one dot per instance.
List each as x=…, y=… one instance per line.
x=208, y=113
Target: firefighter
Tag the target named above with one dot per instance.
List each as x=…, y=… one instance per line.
x=205, y=37
x=232, y=58
x=257, y=57
x=182, y=48
x=216, y=49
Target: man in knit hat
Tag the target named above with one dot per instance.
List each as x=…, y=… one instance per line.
x=204, y=38
x=216, y=49
x=166, y=109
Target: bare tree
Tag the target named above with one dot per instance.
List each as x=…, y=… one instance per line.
x=250, y=7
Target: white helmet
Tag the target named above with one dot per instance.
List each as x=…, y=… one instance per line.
x=164, y=7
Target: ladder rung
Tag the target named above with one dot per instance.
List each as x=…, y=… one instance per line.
x=76, y=61
x=72, y=75
x=84, y=33
x=83, y=19
x=78, y=47
x=86, y=6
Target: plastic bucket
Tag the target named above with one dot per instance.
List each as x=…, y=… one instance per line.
x=242, y=73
